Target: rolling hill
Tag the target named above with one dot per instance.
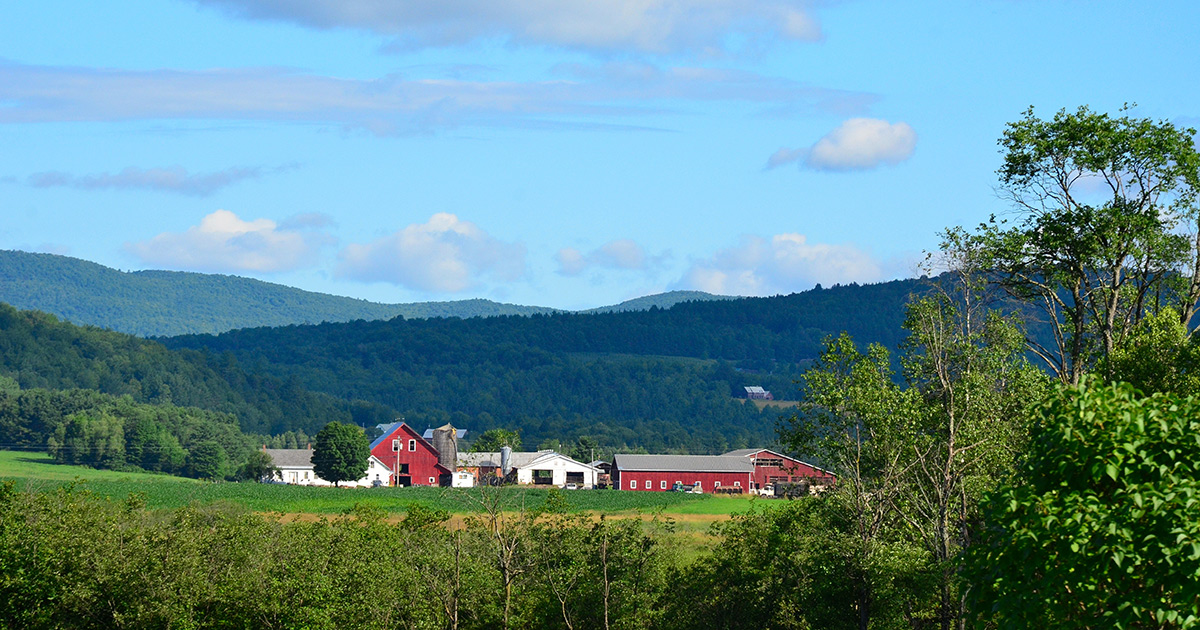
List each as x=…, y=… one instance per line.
x=169, y=303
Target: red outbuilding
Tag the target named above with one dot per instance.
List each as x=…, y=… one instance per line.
x=662, y=472
x=412, y=460
x=771, y=467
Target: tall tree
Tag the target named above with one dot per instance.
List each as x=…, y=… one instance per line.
x=341, y=453
x=1100, y=202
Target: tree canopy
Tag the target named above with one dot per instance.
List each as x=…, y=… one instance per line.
x=341, y=453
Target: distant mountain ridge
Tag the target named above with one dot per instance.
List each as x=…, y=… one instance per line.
x=169, y=303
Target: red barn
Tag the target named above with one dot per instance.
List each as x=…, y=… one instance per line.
x=661, y=472
x=412, y=460
x=771, y=468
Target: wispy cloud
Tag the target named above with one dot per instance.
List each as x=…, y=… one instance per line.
x=857, y=144
x=623, y=254
x=392, y=104
x=174, y=179
x=442, y=255
x=225, y=243
x=642, y=26
x=784, y=263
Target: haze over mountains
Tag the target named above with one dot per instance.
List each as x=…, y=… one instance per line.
x=168, y=303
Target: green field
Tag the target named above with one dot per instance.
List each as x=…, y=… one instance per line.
x=37, y=472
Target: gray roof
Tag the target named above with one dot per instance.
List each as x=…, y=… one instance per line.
x=428, y=434
x=519, y=459
x=291, y=457
x=742, y=452
x=754, y=389
x=682, y=463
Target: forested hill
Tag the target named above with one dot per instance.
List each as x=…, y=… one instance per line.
x=38, y=351
x=658, y=379
x=162, y=303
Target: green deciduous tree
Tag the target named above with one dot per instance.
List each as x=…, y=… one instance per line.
x=1104, y=207
x=208, y=460
x=341, y=453
x=258, y=466
x=1102, y=527
x=492, y=440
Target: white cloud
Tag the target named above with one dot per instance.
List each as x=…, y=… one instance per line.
x=442, y=255
x=647, y=26
x=857, y=144
x=170, y=179
x=587, y=96
x=784, y=263
x=225, y=243
x=618, y=254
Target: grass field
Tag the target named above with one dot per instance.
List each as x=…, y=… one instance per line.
x=37, y=472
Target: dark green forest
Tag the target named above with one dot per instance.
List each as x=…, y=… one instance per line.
x=38, y=351
x=662, y=379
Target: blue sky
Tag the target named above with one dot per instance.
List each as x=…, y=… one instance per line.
x=562, y=153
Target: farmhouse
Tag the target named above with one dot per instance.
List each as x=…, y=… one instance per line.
x=294, y=466
x=543, y=468
x=411, y=460
x=661, y=472
x=755, y=392
x=771, y=467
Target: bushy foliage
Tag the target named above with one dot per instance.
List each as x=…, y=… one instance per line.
x=71, y=560
x=1102, y=527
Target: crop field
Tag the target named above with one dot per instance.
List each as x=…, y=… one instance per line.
x=37, y=472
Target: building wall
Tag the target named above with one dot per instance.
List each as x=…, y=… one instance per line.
x=305, y=476
x=708, y=480
x=422, y=462
x=792, y=470
x=559, y=467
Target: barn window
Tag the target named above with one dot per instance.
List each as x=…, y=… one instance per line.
x=395, y=445
x=716, y=484
x=737, y=484
x=432, y=481
x=662, y=485
x=412, y=445
x=648, y=486
x=699, y=484
x=633, y=484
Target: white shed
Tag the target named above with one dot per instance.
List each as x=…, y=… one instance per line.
x=555, y=469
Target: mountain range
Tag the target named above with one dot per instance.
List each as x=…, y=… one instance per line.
x=168, y=303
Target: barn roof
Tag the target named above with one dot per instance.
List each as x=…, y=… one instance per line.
x=682, y=463
x=747, y=452
x=754, y=389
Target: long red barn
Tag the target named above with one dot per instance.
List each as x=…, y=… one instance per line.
x=412, y=460
x=661, y=472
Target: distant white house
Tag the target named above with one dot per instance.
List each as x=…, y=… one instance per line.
x=296, y=468
x=543, y=468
